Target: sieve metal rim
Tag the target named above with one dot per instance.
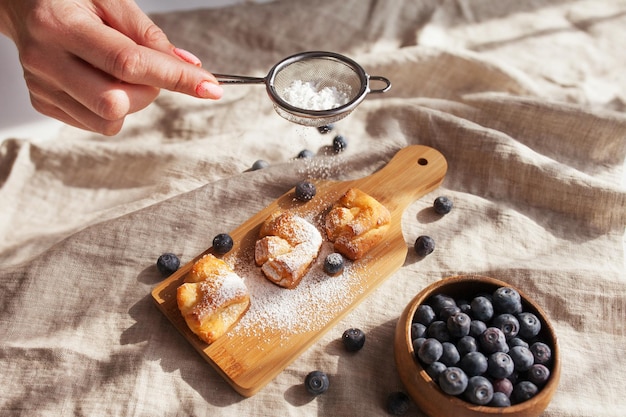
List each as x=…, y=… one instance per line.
x=318, y=114
x=306, y=116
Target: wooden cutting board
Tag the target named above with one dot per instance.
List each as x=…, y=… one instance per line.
x=281, y=324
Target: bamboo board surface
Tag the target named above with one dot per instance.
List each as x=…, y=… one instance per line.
x=263, y=343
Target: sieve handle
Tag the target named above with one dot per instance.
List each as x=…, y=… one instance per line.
x=383, y=80
x=238, y=79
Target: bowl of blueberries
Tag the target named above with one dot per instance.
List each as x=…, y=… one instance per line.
x=469, y=346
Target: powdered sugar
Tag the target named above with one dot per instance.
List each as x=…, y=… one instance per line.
x=286, y=265
x=308, y=96
x=308, y=307
x=219, y=291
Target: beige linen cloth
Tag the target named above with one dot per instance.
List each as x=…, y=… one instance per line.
x=526, y=101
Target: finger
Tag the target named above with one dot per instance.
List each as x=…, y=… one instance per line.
x=54, y=102
x=128, y=18
x=101, y=94
x=86, y=122
x=118, y=55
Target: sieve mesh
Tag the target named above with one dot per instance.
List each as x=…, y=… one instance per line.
x=325, y=72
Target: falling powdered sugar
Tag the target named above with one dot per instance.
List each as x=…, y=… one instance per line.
x=308, y=96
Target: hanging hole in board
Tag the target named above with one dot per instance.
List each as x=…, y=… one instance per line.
x=422, y=161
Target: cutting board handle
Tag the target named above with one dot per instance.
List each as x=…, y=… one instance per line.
x=411, y=173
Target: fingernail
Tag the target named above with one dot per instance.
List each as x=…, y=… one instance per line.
x=188, y=57
x=207, y=89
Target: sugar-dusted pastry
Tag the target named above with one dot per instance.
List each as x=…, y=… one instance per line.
x=356, y=223
x=212, y=299
x=287, y=246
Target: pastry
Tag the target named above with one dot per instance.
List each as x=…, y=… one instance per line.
x=286, y=248
x=356, y=223
x=212, y=299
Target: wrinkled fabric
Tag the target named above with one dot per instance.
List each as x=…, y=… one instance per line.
x=524, y=99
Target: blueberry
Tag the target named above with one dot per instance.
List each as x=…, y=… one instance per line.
x=438, y=329
x=353, y=339
x=453, y=381
x=424, y=246
x=529, y=325
x=482, y=344
x=517, y=341
x=515, y=378
x=499, y=399
x=466, y=344
x=167, y=264
x=479, y=390
x=474, y=363
x=222, y=243
x=541, y=352
x=305, y=191
x=259, y=164
x=334, y=264
x=465, y=306
x=446, y=312
x=503, y=385
x=508, y=323
x=424, y=314
x=430, y=351
x=488, y=296
x=305, y=154
x=339, y=144
x=500, y=365
x=459, y=325
x=522, y=358
x=442, y=205
x=418, y=330
x=440, y=301
x=316, y=382
x=507, y=300
x=493, y=340
x=450, y=355
x=325, y=129
x=523, y=391
x=477, y=327
x=417, y=343
x=538, y=374
x=435, y=369
x=398, y=403
x=482, y=308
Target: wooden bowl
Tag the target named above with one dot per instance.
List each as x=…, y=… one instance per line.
x=426, y=392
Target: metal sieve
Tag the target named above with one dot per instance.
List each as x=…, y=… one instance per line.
x=324, y=70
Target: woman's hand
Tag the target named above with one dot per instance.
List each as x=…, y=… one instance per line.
x=90, y=63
